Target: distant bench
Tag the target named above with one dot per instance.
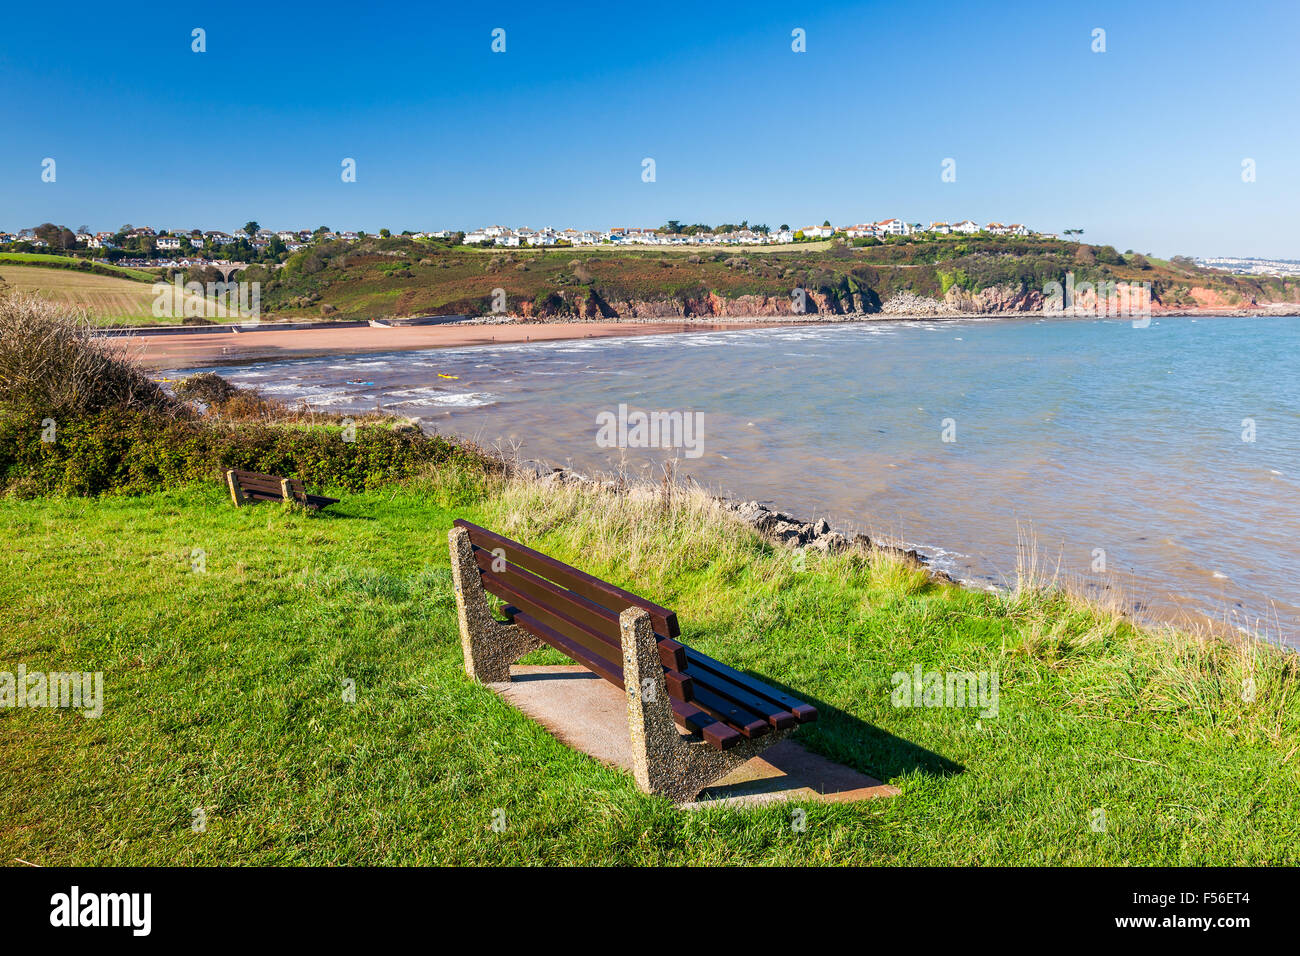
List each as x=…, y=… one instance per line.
x=252, y=486
x=630, y=642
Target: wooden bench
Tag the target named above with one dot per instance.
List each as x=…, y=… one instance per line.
x=251, y=486
x=728, y=717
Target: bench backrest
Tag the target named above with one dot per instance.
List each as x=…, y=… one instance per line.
x=256, y=485
x=578, y=614
x=564, y=597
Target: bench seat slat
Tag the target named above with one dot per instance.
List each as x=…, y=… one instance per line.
x=747, y=722
x=702, y=667
x=592, y=588
x=774, y=714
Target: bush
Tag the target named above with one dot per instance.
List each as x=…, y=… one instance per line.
x=136, y=451
x=206, y=387
x=52, y=365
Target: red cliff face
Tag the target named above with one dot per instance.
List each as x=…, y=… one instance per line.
x=995, y=299
x=583, y=305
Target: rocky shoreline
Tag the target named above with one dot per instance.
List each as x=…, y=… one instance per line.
x=777, y=527
x=910, y=308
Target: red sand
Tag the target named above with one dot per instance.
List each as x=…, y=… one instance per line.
x=224, y=348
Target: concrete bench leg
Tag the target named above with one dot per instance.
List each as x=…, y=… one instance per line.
x=663, y=761
x=490, y=646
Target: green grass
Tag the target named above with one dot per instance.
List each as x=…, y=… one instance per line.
x=224, y=690
x=377, y=277
x=73, y=262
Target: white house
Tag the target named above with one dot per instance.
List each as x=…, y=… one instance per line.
x=476, y=236
x=818, y=232
x=966, y=226
x=1016, y=229
x=169, y=242
x=892, y=227
x=940, y=227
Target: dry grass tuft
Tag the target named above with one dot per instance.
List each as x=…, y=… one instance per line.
x=52, y=364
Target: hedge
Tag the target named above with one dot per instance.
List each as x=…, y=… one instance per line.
x=140, y=451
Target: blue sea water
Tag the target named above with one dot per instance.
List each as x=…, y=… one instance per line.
x=1171, y=452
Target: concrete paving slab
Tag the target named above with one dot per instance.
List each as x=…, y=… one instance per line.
x=590, y=714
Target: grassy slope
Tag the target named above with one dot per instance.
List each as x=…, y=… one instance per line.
x=105, y=298
x=380, y=277
x=108, y=300
x=65, y=262
x=224, y=691
x=404, y=277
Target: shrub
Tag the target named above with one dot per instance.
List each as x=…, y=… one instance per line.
x=206, y=387
x=53, y=365
x=136, y=451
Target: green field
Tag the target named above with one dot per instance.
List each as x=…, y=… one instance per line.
x=224, y=691
x=106, y=299
x=73, y=263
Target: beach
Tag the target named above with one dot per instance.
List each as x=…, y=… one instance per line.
x=202, y=349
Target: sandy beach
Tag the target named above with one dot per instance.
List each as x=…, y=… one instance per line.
x=203, y=349
x=231, y=348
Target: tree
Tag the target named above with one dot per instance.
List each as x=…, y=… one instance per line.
x=385, y=233
x=785, y=226
x=49, y=233
x=250, y=228
x=826, y=222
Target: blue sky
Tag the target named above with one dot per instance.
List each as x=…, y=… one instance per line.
x=1141, y=146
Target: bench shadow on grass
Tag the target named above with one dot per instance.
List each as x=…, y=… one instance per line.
x=851, y=741
x=836, y=735
x=340, y=516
